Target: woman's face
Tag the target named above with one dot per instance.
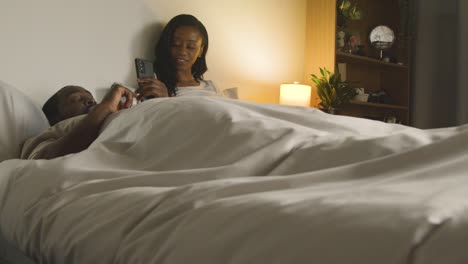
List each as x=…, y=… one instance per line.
x=186, y=47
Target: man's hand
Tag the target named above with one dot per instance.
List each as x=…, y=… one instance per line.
x=151, y=88
x=116, y=99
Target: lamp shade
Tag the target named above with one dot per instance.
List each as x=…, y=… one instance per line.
x=295, y=94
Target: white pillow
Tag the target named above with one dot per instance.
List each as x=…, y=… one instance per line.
x=231, y=93
x=20, y=119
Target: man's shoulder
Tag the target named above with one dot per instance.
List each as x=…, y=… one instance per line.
x=65, y=126
x=57, y=131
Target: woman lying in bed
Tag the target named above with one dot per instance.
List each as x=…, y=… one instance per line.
x=180, y=65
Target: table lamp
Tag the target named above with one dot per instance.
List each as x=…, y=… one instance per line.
x=295, y=94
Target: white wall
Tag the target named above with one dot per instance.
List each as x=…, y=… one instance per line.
x=254, y=44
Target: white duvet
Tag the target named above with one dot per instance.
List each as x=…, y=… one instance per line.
x=213, y=180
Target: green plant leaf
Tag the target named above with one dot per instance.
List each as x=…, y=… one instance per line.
x=332, y=91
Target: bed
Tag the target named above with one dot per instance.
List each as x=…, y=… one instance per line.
x=216, y=180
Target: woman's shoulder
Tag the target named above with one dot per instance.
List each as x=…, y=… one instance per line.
x=229, y=92
x=209, y=86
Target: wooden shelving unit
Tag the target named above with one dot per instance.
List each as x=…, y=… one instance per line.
x=378, y=105
x=373, y=74
x=348, y=57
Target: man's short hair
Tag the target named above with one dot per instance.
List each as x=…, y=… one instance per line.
x=51, y=108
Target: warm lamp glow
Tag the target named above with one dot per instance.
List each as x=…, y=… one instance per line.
x=295, y=94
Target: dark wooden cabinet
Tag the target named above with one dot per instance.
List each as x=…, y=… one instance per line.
x=368, y=71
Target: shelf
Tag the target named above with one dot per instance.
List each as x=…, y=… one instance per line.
x=351, y=58
x=379, y=105
x=372, y=73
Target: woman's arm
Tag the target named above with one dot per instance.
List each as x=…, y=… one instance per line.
x=87, y=130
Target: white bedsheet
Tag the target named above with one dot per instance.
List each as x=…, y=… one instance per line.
x=214, y=180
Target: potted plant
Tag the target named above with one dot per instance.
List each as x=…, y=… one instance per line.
x=347, y=11
x=332, y=91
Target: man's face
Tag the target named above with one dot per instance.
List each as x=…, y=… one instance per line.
x=74, y=101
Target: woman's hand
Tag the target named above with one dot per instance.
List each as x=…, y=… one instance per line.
x=151, y=88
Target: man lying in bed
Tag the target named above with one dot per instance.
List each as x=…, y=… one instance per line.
x=76, y=120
